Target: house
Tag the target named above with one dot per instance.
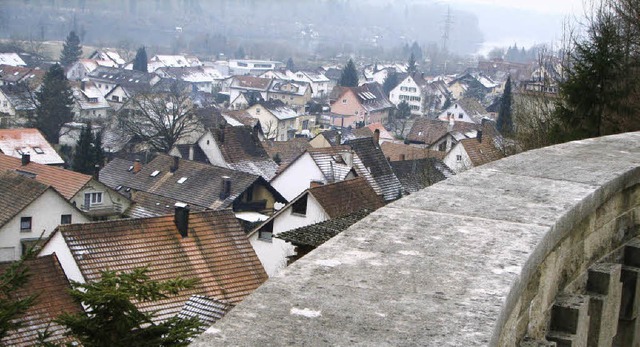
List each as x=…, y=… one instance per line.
x=284, y=152
x=472, y=152
x=202, y=78
x=93, y=198
x=90, y=104
x=108, y=57
x=440, y=135
x=235, y=147
x=12, y=59
x=319, y=82
x=252, y=67
x=472, y=80
x=337, y=137
x=159, y=60
x=13, y=75
x=366, y=103
x=293, y=93
x=416, y=174
x=465, y=110
x=48, y=282
x=209, y=246
x=242, y=84
x=316, y=204
x=81, y=68
x=307, y=238
x=129, y=81
x=17, y=104
x=400, y=151
x=277, y=119
x=200, y=185
x=16, y=142
x=30, y=210
x=378, y=171
x=412, y=90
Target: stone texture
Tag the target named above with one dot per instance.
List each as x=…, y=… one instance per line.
x=605, y=292
x=475, y=260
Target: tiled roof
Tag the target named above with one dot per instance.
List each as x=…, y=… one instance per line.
x=395, y=151
x=345, y=134
x=250, y=82
x=370, y=96
x=28, y=140
x=201, y=187
x=48, y=281
x=372, y=157
x=319, y=233
x=346, y=197
x=279, y=109
x=420, y=173
x=19, y=96
x=12, y=59
x=286, y=150
x=14, y=74
x=66, y=182
x=336, y=162
x=428, y=131
x=16, y=193
x=208, y=310
x=241, y=116
x=90, y=97
x=153, y=205
x=473, y=107
x=481, y=152
x=298, y=88
x=242, y=150
x=216, y=252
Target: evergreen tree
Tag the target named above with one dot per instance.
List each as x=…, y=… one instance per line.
x=140, y=61
x=400, y=118
x=290, y=65
x=390, y=82
x=411, y=66
x=111, y=318
x=88, y=152
x=349, y=77
x=71, y=50
x=14, y=277
x=54, y=102
x=504, y=123
x=416, y=51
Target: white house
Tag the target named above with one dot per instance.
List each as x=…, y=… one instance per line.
x=472, y=152
x=90, y=103
x=319, y=82
x=30, y=210
x=411, y=91
x=277, y=119
x=466, y=110
x=252, y=67
x=314, y=205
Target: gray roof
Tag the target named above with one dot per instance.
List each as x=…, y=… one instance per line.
x=208, y=310
x=386, y=182
x=417, y=174
x=319, y=233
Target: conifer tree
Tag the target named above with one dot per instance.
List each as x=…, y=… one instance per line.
x=389, y=83
x=411, y=66
x=349, y=77
x=54, y=103
x=504, y=123
x=140, y=61
x=71, y=50
x=14, y=277
x=88, y=152
x=290, y=65
x=112, y=319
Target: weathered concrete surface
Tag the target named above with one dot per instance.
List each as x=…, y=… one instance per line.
x=446, y=266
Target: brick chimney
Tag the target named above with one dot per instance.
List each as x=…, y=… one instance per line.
x=26, y=159
x=225, y=190
x=96, y=172
x=376, y=136
x=137, y=166
x=339, y=138
x=181, y=218
x=479, y=136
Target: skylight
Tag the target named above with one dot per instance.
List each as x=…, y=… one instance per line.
x=155, y=173
x=182, y=180
x=38, y=150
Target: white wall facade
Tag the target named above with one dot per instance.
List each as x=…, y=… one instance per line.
x=112, y=204
x=58, y=246
x=457, y=159
x=409, y=91
x=273, y=253
x=458, y=114
x=210, y=148
x=45, y=213
x=297, y=177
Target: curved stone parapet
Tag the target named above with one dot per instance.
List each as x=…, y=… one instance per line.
x=532, y=250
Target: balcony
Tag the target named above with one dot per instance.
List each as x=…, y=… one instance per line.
x=102, y=210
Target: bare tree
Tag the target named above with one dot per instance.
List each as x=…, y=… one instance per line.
x=159, y=119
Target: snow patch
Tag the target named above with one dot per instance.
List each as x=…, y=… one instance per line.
x=328, y=262
x=212, y=330
x=413, y=253
x=381, y=314
x=305, y=312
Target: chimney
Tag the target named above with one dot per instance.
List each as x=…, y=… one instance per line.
x=176, y=164
x=338, y=138
x=26, y=159
x=82, y=85
x=225, y=191
x=402, y=157
x=96, y=172
x=376, y=136
x=191, y=150
x=479, y=136
x=181, y=218
x=137, y=166
x=221, y=133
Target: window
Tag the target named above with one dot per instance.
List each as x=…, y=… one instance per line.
x=65, y=219
x=460, y=115
x=344, y=101
x=266, y=232
x=442, y=147
x=458, y=157
x=300, y=206
x=155, y=173
x=38, y=150
x=92, y=198
x=25, y=224
x=115, y=98
x=257, y=110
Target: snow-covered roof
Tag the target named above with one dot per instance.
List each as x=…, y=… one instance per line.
x=15, y=142
x=12, y=59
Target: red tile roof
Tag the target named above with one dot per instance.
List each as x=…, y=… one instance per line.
x=346, y=197
x=28, y=140
x=66, y=182
x=481, y=152
x=216, y=252
x=395, y=151
x=48, y=281
x=16, y=193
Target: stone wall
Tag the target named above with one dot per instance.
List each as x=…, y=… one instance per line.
x=536, y=249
